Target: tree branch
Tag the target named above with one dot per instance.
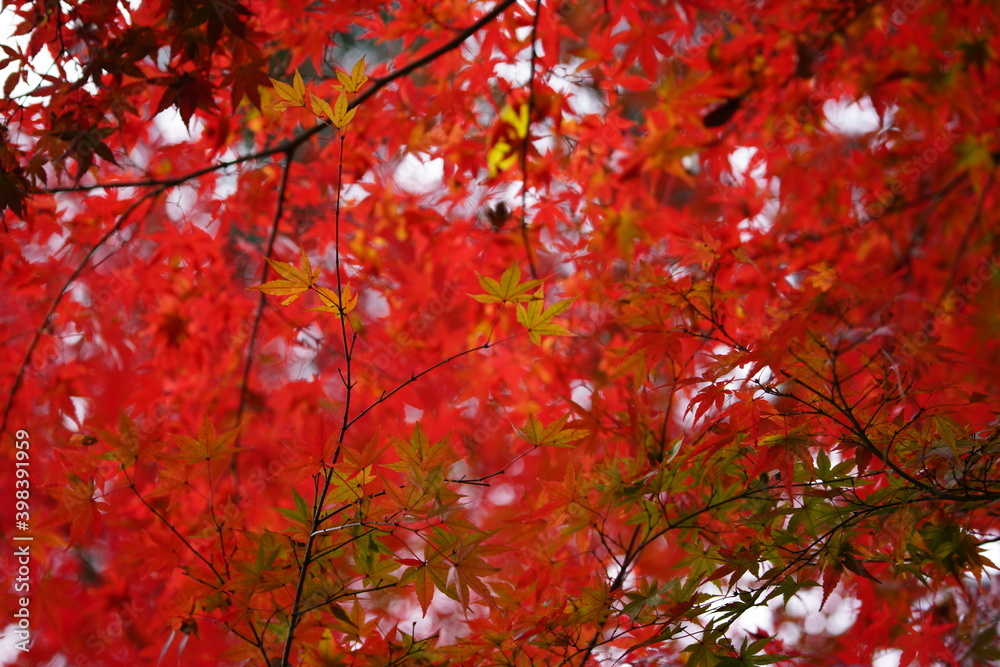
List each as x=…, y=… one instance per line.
x=19, y=379
x=262, y=302
x=291, y=144
x=527, y=142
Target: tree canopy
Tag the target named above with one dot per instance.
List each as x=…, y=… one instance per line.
x=500, y=333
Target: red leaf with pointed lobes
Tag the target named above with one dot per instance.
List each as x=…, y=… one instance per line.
x=770, y=234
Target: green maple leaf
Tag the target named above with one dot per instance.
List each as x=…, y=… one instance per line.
x=538, y=320
x=506, y=289
x=553, y=435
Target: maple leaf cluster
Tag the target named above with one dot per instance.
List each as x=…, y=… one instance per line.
x=539, y=333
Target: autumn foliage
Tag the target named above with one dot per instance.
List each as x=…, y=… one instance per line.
x=500, y=333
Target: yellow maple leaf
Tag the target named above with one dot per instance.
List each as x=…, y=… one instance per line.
x=553, y=435
x=296, y=280
x=338, y=305
x=508, y=288
x=538, y=320
x=291, y=96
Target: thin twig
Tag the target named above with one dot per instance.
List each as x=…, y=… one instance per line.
x=169, y=525
x=527, y=142
x=297, y=611
x=348, y=347
x=416, y=376
x=262, y=302
x=285, y=147
x=964, y=243
x=59, y=297
x=295, y=142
